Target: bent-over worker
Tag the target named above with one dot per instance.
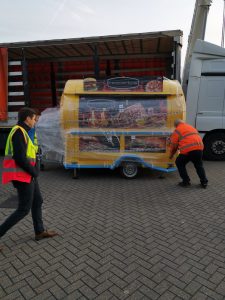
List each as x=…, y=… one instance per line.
x=187, y=140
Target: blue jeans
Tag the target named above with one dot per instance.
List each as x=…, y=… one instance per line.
x=29, y=198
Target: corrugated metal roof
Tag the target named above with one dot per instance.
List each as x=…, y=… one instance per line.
x=151, y=44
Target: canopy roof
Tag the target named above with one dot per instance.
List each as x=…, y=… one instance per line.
x=151, y=44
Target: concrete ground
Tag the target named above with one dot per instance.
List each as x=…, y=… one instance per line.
x=119, y=239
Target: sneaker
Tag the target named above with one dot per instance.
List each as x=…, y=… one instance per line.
x=184, y=184
x=45, y=234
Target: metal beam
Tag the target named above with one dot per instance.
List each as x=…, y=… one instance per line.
x=25, y=79
x=53, y=85
x=96, y=62
x=120, y=56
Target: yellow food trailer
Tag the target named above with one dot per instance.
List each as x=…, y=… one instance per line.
x=120, y=122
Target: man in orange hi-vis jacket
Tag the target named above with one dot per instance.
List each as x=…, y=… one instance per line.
x=187, y=140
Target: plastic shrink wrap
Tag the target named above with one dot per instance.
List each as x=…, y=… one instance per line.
x=50, y=136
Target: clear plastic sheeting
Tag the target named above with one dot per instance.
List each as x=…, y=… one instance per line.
x=49, y=135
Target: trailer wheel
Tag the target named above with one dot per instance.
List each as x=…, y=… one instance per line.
x=129, y=170
x=215, y=146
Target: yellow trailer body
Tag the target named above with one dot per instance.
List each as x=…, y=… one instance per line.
x=120, y=122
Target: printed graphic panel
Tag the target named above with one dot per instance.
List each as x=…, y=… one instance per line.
x=122, y=112
x=145, y=144
x=122, y=84
x=103, y=143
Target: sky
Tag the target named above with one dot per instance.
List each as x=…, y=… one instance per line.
x=31, y=20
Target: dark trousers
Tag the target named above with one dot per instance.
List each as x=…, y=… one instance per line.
x=29, y=197
x=196, y=158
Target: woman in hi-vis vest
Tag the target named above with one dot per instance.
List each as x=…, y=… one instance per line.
x=19, y=167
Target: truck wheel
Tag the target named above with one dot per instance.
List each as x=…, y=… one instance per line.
x=215, y=146
x=129, y=170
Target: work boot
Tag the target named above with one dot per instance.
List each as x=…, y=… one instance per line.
x=184, y=184
x=204, y=185
x=45, y=234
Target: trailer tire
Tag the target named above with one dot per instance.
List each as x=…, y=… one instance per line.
x=129, y=170
x=215, y=146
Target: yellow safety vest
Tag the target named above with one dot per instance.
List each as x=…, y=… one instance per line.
x=11, y=171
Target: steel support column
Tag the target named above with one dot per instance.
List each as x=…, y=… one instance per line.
x=53, y=85
x=96, y=62
x=26, y=89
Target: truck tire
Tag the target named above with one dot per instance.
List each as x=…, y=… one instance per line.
x=215, y=146
x=129, y=170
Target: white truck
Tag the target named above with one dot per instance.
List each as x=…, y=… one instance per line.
x=205, y=97
x=204, y=85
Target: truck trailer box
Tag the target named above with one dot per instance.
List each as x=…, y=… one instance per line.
x=37, y=71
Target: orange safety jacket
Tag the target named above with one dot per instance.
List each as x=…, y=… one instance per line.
x=185, y=138
x=11, y=171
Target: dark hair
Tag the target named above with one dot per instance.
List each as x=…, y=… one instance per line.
x=25, y=112
x=38, y=113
